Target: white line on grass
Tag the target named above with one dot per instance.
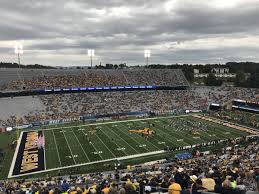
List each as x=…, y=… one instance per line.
x=56, y=147
x=113, y=122
x=172, y=134
x=152, y=142
x=44, y=152
x=131, y=138
x=15, y=155
x=80, y=144
x=102, y=161
x=69, y=147
x=93, y=146
x=139, y=143
x=222, y=127
x=125, y=142
x=105, y=145
x=182, y=133
x=223, y=121
x=217, y=130
x=95, y=162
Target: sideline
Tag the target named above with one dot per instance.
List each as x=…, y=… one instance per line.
x=114, y=122
x=88, y=163
x=15, y=155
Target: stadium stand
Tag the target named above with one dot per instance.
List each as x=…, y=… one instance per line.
x=92, y=78
x=50, y=107
x=230, y=170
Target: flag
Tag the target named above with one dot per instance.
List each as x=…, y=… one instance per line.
x=41, y=141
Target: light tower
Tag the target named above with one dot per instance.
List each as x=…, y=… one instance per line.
x=147, y=55
x=18, y=49
x=91, y=55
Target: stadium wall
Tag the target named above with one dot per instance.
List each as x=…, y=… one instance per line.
x=124, y=115
x=246, y=106
x=88, y=89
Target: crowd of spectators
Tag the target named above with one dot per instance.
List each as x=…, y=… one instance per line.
x=69, y=106
x=230, y=170
x=233, y=169
x=239, y=117
x=93, y=78
x=224, y=94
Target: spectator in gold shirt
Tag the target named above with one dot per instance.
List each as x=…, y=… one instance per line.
x=174, y=187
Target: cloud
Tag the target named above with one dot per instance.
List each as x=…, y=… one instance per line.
x=59, y=32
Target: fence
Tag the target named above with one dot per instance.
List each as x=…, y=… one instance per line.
x=160, y=190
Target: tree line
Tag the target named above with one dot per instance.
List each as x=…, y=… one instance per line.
x=247, y=73
x=16, y=65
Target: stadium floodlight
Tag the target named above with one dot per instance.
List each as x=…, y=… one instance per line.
x=18, y=49
x=91, y=54
x=147, y=55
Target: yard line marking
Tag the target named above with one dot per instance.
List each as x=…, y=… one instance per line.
x=154, y=137
x=175, y=132
x=113, y=142
x=94, y=162
x=69, y=147
x=217, y=130
x=113, y=159
x=220, y=129
x=146, y=140
x=44, y=151
x=15, y=155
x=93, y=146
x=172, y=134
x=223, y=123
x=105, y=145
x=80, y=144
x=132, y=138
x=56, y=147
x=125, y=142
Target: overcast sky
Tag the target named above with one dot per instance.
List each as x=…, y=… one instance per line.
x=59, y=32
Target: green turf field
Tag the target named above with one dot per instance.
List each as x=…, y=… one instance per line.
x=69, y=146
x=5, y=140
x=91, y=144
x=244, y=118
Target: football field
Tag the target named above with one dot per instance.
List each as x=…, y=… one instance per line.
x=89, y=144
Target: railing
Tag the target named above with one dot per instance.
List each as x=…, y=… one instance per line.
x=141, y=190
x=160, y=190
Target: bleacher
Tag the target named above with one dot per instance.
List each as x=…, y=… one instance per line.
x=49, y=79
x=217, y=172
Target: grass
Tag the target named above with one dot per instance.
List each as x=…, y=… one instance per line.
x=244, y=118
x=6, y=140
x=70, y=145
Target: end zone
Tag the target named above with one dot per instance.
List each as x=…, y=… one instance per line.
x=29, y=155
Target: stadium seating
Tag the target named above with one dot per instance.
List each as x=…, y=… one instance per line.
x=51, y=107
x=92, y=78
x=233, y=169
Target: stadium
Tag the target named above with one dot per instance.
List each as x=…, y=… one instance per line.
x=71, y=122
x=129, y=97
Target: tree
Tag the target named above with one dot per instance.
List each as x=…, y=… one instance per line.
x=240, y=79
x=122, y=65
x=108, y=66
x=253, y=81
x=211, y=80
x=189, y=75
